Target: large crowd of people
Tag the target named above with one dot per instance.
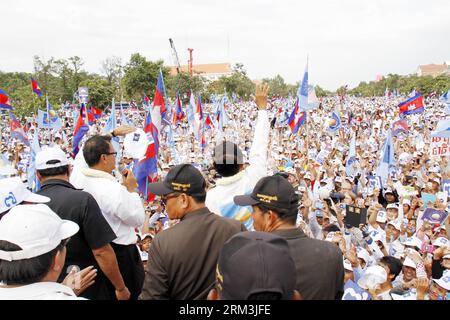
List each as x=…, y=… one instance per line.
x=256, y=212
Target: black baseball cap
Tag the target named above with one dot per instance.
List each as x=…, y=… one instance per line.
x=228, y=152
x=274, y=192
x=183, y=178
x=254, y=262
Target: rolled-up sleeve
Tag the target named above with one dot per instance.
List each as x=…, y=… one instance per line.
x=130, y=209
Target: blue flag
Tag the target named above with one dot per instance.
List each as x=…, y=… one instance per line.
x=48, y=122
x=190, y=114
x=387, y=160
x=445, y=97
x=337, y=122
x=302, y=93
x=123, y=118
x=33, y=182
x=111, y=124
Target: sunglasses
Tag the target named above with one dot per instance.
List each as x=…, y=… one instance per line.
x=165, y=198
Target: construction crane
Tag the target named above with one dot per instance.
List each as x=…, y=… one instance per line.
x=190, y=60
x=175, y=56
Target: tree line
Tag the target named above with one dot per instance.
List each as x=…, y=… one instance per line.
x=59, y=79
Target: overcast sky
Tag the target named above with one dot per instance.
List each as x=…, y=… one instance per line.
x=347, y=40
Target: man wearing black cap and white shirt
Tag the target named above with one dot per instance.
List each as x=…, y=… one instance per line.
x=255, y=266
x=229, y=163
x=182, y=259
x=91, y=246
x=33, y=243
x=320, y=272
x=120, y=204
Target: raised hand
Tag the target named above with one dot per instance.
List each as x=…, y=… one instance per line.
x=261, y=96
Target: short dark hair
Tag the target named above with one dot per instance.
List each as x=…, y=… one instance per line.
x=395, y=265
x=54, y=171
x=199, y=198
x=331, y=228
x=94, y=147
x=227, y=170
x=26, y=271
x=287, y=215
x=265, y=296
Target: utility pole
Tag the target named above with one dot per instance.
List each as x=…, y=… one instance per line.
x=190, y=60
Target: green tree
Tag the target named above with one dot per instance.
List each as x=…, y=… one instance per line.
x=277, y=86
x=140, y=76
x=100, y=91
x=183, y=83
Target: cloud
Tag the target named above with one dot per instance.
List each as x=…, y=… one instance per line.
x=347, y=40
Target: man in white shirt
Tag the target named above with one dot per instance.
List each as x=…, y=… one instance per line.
x=120, y=204
x=32, y=253
x=229, y=163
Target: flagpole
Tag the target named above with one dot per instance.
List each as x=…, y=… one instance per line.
x=48, y=119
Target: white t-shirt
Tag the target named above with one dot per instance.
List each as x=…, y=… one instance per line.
x=39, y=291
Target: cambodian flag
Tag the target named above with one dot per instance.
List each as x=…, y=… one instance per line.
x=80, y=130
x=198, y=116
x=178, y=115
x=208, y=122
x=199, y=110
x=17, y=131
x=412, y=105
x=147, y=168
x=297, y=118
x=4, y=100
x=203, y=140
x=96, y=112
x=36, y=88
x=159, y=95
x=398, y=127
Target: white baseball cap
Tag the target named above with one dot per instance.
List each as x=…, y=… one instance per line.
x=441, y=242
x=36, y=229
x=135, y=144
x=381, y=216
x=447, y=256
x=51, y=157
x=409, y=263
x=392, y=206
x=13, y=191
x=407, y=201
x=444, y=281
x=437, y=180
x=412, y=242
x=363, y=254
x=396, y=224
x=348, y=265
x=372, y=277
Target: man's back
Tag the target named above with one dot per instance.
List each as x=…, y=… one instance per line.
x=320, y=271
x=95, y=232
x=182, y=260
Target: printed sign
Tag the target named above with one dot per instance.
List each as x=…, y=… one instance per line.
x=440, y=146
x=446, y=186
x=428, y=197
x=353, y=292
x=374, y=182
x=434, y=216
x=355, y=216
